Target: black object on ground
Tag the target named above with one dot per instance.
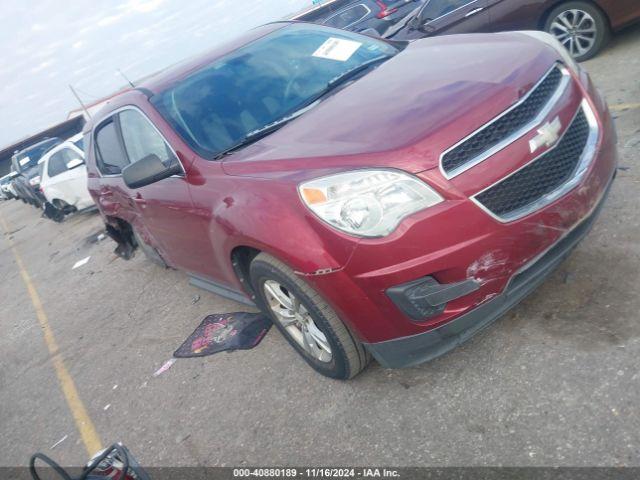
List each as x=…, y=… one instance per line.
x=53, y=213
x=226, y=331
x=113, y=462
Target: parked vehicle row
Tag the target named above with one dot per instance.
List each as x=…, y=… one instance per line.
x=582, y=26
x=50, y=175
x=63, y=176
x=25, y=164
x=7, y=191
x=364, y=16
x=375, y=198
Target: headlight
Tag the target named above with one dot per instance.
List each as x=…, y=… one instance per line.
x=367, y=203
x=35, y=181
x=553, y=42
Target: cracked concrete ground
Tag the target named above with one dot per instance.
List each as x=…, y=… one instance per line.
x=554, y=382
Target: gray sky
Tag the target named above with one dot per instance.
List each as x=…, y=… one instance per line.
x=45, y=45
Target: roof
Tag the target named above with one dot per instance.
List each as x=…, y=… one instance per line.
x=66, y=144
x=96, y=104
x=167, y=77
x=320, y=10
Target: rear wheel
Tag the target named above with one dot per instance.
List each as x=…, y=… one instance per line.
x=308, y=323
x=581, y=27
x=52, y=212
x=63, y=206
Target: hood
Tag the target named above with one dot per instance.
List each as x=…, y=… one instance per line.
x=407, y=111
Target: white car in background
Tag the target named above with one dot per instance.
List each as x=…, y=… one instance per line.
x=7, y=191
x=63, y=176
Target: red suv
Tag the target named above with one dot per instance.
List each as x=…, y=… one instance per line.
x=373, y=197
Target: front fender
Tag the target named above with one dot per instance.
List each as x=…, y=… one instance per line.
x=267, y=215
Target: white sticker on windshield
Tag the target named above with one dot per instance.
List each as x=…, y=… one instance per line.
x=24, y=161
x=337, y=49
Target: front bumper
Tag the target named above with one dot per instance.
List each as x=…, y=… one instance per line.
x=416, y=349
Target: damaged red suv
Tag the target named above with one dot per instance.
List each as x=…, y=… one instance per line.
x=375, y=198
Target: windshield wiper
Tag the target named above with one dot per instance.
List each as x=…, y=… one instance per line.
x=349, y=74
x=256, y=135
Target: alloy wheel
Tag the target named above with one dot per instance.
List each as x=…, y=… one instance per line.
x=294, y=317
x=576, y=30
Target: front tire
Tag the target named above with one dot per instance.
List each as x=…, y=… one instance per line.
x=581, y=27
x=308, y=323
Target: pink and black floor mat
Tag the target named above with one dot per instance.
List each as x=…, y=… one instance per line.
x=225, y=332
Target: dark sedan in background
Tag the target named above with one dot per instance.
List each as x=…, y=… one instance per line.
x=366, y=16
x=25, y=164
x=582, y=26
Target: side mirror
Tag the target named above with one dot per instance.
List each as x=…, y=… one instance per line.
x=76, y=162
x=371, y=32
x=148, y=170
x=420, y=23
x=415, y=23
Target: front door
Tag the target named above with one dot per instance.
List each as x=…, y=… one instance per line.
x=162, y=213
x=70, y=184
x=442, y=17
x=165, y=207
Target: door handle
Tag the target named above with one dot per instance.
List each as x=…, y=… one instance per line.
x=473, y=12
x=139, y=200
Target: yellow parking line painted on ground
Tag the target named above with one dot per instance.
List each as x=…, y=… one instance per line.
x=83, y=421
x=624, y=106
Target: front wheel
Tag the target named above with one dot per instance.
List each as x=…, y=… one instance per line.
x=581, y=27
x=308, y=323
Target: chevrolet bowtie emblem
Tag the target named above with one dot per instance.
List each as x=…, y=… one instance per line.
x=547, y=136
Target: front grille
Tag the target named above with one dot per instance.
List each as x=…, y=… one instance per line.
x=540, y=177
x=501, y=129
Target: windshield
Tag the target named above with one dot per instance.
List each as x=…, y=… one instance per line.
x=29, y=157
x=262, y=83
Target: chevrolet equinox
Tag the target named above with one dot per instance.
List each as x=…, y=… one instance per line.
x=375, y=198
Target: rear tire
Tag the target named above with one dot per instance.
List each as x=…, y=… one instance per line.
x=53, y=212
x=581, y=27
x=63, y=206
x=347, y=356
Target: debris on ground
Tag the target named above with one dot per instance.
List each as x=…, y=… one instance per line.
x=226, y=331
x=195, y=299
x=80, y=263
x=167, y=365
x=59, y=442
